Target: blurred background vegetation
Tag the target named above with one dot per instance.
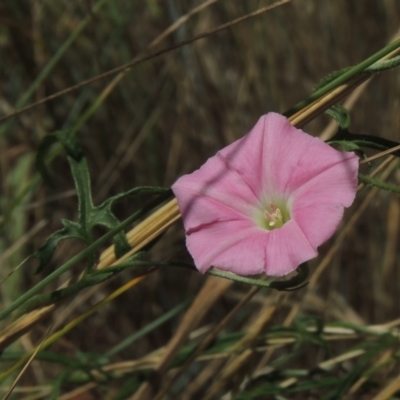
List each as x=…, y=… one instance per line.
x=161, y=119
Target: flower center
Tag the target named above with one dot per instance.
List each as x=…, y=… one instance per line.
x=273, y=216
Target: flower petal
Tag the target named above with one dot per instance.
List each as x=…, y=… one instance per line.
x=213, y=193
x=236, y=246
x=286, y=248
x=246, y=156
x=336, y=185
x=331, y=163
x=198, y=210
x=318, y=221
x=291, y=157
x=239, y=247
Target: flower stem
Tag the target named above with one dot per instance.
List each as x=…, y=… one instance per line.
x=382, y=185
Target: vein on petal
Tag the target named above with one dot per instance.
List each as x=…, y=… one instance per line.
x=232, y=168
x=303, y=188
x=216, y=201
x=232, y=242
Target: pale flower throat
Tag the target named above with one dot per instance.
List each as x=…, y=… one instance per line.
x=272, y=216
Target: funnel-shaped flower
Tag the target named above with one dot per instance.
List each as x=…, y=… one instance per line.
x=267, y=201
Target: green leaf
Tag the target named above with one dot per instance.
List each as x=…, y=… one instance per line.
x=383, y=65
x=340, y=114
x=41, y=166
x=346, y=145
x=57, y=383
x=371, y=69
x=127, y=389
x=369, y=141
x=70, y=144
x=331, y=77
x=46, y=251
x=89, y=215
x=23, y=298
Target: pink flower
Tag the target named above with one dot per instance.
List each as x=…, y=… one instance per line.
x=267, y=201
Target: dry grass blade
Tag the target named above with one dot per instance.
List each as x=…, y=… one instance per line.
x=24, y=239
x=54, y=337
x=26, y=366
x=329, y=131
x=74, y=394
x=144, y=232
x=240, y=357
x=328, y=364
x=310, y=112
x=208, y=295
x=232, y=368
x=387, y=355
x=388, y=391
x=144, y=58
x=23, y=324
x=381, y=154
x=138, y=237
x=348, y=104
x=204, y=344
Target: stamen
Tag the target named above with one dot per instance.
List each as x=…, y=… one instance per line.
x=276, y=216
x=268, y=216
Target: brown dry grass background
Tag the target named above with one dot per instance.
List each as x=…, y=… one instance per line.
x=164, y=119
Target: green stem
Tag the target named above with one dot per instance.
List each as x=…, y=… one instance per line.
x=296, y=282
x=28, y=94
x=147, y=329
x=53, y=62
x=82, y=255
x=382, y=185
x=346, y=76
